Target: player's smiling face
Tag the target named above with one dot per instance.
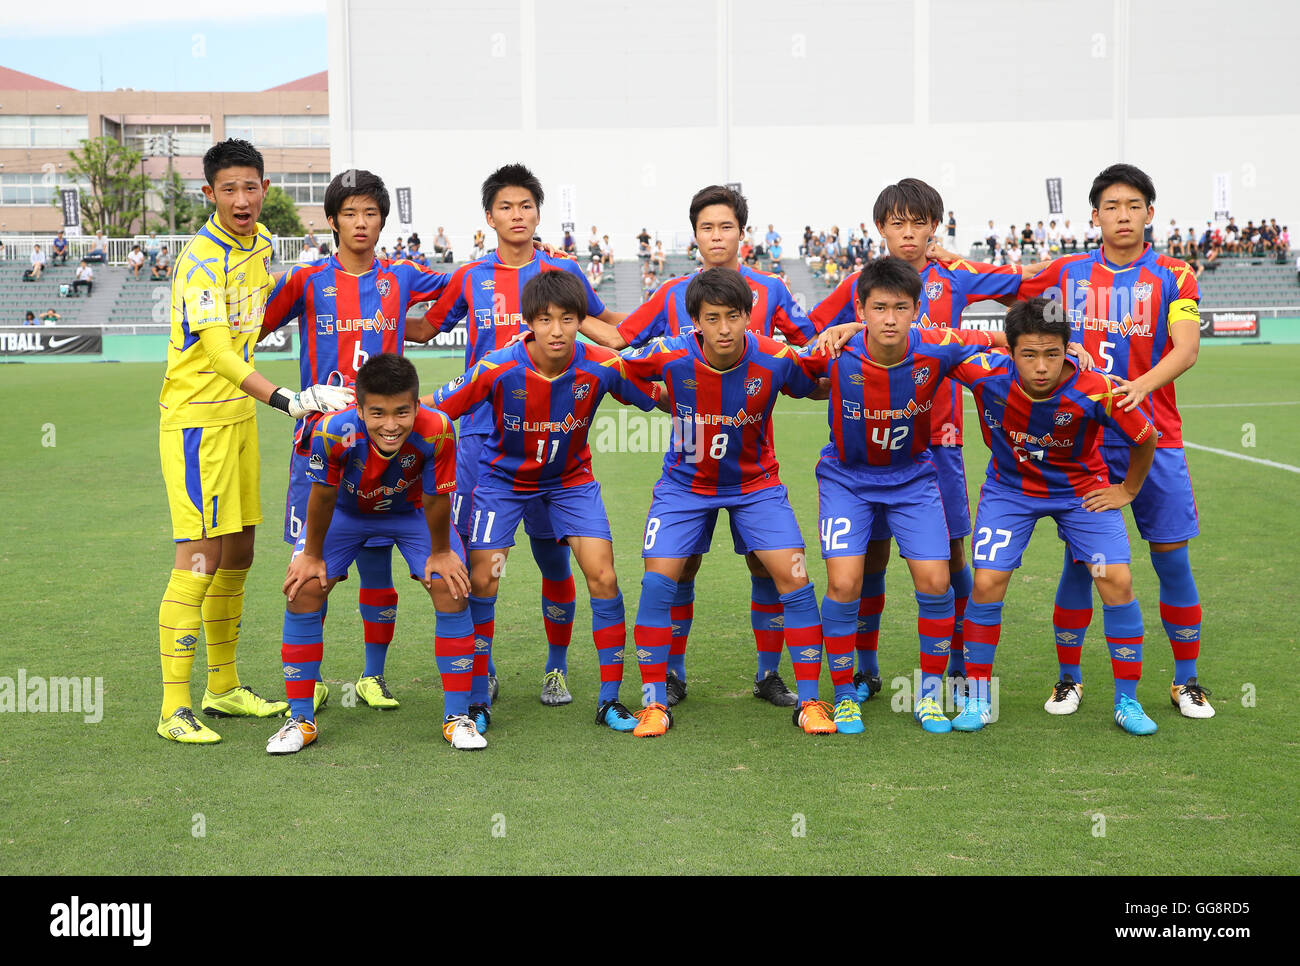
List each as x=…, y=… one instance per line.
x=554, y=332
x=238, y=193
x=888, y=317
x=358, y=223
x=717, y=232
x=722, y=328
x=389, y=420
x=1121, y=214
x=1039, y=359
x=514, y=215
x=907, y=235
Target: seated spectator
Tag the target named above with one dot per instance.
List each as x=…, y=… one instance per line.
x=383, y=253
x=1013, y=254
x=50, y=317
x=649, y=282
x=98, y=249
x=30, y=319
x=4, y=252
x=1212, y=259
x=774, y=253
x=135, y=261
x=441, y=246
x=1053, y=239
x=398, y=250
x=33, y=274
x=594, y=251
x=86, y=277
x=1091, y=237
x=324, y=251
x=644, y=239
x=310, y=253
x=59, y=251
x=832, y=273
x=658, y=259
x=1026, y=235
x=479, y=246
x=162, y=265
x=991, y=239
x=1069, y=241
x=414, y=254
x=1175, y=244
x=747, y=252
x=569, y=247
x=807, y=239
x=643, y=251
x=1040, y=236
x=606, y=251
x=1284, y=240
x=413, y=239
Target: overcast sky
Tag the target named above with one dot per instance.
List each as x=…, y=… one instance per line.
x=256, y=44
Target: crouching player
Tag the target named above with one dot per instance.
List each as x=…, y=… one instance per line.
x=1041, y=418
x=722, y=384
x=389, y=456
x=542, y=393
x=878, y=464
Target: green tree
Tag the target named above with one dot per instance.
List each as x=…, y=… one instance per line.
x=280, y=214
x=117, y=186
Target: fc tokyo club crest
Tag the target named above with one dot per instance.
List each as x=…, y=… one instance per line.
x=1063, y=419
x=581, y=390
x=1142, y=291
x=933, y=290
x=752, y=386
x=920, y=376
x=383, y=287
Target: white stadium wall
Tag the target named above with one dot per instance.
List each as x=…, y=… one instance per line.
x=812, y=106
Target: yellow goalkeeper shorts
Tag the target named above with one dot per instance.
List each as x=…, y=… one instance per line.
x=211, y=473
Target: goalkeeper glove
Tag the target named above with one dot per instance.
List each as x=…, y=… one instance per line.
x=313, y=399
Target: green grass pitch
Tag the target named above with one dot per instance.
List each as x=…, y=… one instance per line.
x=733, y=788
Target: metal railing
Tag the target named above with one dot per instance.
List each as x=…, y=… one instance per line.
x=19, y=247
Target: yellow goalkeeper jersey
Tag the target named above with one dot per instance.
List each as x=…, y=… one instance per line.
x=223, y=280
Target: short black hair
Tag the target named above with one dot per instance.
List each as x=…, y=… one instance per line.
x=231, y=153
x=355, y=183
x=1035, y=316
x=911, y=197
x=511, y=176
x=889, y=274
x=387, y=374
x=719, y=286
x=561, y=289
x=1125, y=174
x=717, y=194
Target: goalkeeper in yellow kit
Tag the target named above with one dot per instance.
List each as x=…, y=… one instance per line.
x=208, y=441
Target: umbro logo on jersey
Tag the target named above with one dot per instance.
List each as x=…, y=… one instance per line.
x=933, y=290
x=1142, y=291
x=690, y=383
x=752, y=386
x=359, y=464
x=1063, y=419
x=488, y=284
x=857, y=378
x=329, y=291
x=921, y=376
x=520, y=393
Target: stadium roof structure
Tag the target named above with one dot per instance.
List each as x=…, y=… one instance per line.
x=16, y=80
x=312, y=82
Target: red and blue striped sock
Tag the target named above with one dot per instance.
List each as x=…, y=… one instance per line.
x=482, y=611
x=767, y=620
x=839, y=633
x=803, y=639
x=653, y=635
x=558, y=605
x=682, y=615
x=983, y=628
x=869, y=609
x=609, y=631
x=1123, y=624
x=301, y=650
x=962, y=584
x=1180, y=610
x=453, y=649
x=1071, y=616
x=934, y=620
x=378, y=601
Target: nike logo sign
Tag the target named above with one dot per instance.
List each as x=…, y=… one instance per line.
x=55, y=342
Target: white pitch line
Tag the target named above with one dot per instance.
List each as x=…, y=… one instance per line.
x=1242, y=456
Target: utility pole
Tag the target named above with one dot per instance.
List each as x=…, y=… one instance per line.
x=171, y=193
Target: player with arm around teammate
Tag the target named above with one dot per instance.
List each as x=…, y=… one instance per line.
x=1041, y=417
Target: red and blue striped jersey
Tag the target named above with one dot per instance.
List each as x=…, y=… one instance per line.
x=485, y=293
x=664, y=314
x=722, y=421
x=879, y=415
x=370, y=482
x=946, y=289
x=1047, y=447
x=539, y=426
x=1122, y=315
x=344, y=319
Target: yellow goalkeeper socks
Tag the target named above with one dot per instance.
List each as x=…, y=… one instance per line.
x=178, y=635
x=222, y=609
